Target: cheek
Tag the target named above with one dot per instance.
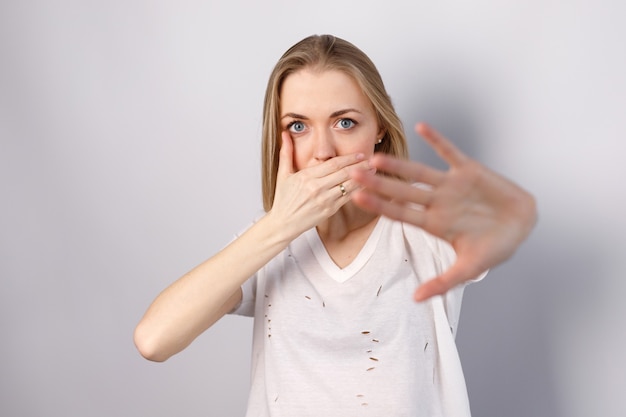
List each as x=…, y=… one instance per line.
x=365, y=145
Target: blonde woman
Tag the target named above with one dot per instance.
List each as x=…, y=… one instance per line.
x=351, y=228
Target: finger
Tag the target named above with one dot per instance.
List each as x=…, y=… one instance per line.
x=346, y=188
x=408, y=213
x=409, y=170
x=328, y=178
x=338, y=163
x=444, y=148
x=285, y=161
x=392, y=188
x=343, y=196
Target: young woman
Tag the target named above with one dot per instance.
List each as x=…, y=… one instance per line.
x=325, y=276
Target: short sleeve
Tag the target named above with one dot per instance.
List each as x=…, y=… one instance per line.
x=248, y=288
x=442, y=256
x=246, y=305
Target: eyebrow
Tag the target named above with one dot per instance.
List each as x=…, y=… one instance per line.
x=333, y=114
x=294, y=116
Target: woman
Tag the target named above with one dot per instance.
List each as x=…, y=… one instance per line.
x=326, y=277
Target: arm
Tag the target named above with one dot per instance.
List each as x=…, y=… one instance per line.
x=484, y=216
x=202, y=296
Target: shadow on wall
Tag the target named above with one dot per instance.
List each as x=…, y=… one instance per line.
x=507, y=321
x=449, y=108
x=514, y=324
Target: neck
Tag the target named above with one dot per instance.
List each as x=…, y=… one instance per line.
x=348, y=219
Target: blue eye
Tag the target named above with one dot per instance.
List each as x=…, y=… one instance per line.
x=346, y=123
x=296, y=127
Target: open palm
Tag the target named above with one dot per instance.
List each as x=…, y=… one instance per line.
x=484, y=216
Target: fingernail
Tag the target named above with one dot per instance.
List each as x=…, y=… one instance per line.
x=359, y=156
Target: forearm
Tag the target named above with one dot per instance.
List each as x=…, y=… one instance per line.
x=202, y=296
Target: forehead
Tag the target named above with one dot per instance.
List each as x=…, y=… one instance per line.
x=327, y=90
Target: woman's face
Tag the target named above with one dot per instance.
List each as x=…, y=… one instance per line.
x=327, y=115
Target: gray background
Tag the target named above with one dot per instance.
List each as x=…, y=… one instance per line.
x=130, y=152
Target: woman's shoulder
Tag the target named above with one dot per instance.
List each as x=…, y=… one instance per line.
x=417, y=234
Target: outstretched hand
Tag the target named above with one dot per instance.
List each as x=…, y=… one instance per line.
x=484, y=216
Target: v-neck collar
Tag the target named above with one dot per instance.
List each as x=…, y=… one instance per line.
x=329, y=266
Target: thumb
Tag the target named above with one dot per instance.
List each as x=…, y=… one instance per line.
x=285, y=157
x=436, y=286
x=461, y=271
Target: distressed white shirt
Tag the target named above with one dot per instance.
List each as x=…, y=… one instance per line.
x=351, y=341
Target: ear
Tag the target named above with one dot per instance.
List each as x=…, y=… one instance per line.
x=380, y=135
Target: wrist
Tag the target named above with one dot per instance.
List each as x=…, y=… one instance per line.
x=284, y=230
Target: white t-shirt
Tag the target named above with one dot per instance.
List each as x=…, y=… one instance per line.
x=352, y=342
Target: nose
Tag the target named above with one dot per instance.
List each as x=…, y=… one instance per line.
x=324, y=146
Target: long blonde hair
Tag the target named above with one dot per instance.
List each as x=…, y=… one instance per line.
x=325, y=52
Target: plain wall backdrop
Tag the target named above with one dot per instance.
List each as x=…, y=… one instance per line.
x=129, y=153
